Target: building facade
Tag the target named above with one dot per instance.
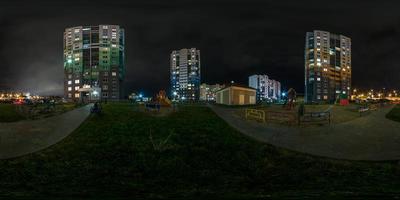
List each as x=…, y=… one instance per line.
x=236, y=95
x=208, y=92
x=267, y=89
x=94, y=62
x=185, y=75
x=327, y=66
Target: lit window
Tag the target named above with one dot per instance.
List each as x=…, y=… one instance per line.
x=114, y=73
x=77, y=95
x=69, y=82
x=76, y=88
x=77, y=81
x=105, y=27
x=318, y=79
x=69, y=88
x=76, y=30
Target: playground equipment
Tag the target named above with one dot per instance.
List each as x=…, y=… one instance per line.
x=162, y=99
x=343, y=99
x=291, y=97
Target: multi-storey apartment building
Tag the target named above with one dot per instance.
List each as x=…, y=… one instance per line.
x=94, y=62
x=327, y=66
x=267, y=89
x=208, y=92
x=185, y=74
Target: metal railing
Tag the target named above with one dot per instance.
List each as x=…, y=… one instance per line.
x=255, y=114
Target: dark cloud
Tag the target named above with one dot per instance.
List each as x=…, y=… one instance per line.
x=237, y=38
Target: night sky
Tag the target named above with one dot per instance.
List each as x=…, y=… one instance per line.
x=236, y=39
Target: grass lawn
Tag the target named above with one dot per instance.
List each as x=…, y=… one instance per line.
x=191, y=153
x=8, y=113
x=394, y=114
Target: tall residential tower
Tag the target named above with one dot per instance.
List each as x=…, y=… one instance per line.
x=94, y=62
x=185, y=74
x=267, y=89
x=327, y=66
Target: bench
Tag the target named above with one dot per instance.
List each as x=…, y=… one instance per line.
x=314, y=117
x=362, y=110
x=152, y=107
x=286, y=117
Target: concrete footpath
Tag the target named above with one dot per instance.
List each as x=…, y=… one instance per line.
x=24, y=137
x=371, y=137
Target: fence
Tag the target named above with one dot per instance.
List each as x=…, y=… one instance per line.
x=255, y=114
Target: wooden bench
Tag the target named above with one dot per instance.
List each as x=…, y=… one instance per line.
x=286, y=117
x=363, y=109
x=314, y=117
x=152, y=107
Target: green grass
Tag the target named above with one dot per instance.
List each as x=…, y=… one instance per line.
x=8, y=113
x=394, y=114
x=112, y=156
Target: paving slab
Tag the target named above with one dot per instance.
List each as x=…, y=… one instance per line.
x=24, y=137
x=372, y=137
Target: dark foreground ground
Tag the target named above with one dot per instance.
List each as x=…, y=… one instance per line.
x=191, y=154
